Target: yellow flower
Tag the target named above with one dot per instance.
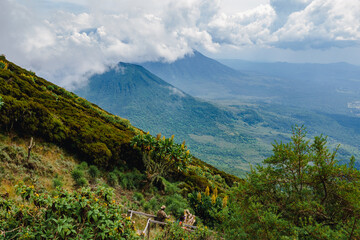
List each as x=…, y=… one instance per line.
x=199, y=197
x=96, y=199
x=213, y=199
x=207, y=191
x=225, y=200
x=37, y=195
x=56, y=197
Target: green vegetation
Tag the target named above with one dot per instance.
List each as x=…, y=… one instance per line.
x=63, y=118
x=228, y=134
x=161, y=156
x=301, y=192
x=176, y=231
x=68, y=130
x=89, y=167
x=62, y=215
x=208, y=207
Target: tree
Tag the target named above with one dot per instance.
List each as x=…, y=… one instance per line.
x=161, y=156
x=301, y=191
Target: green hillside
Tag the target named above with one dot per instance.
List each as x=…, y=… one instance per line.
x=84, y=168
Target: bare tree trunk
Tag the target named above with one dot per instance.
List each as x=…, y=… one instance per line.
x=31, y=145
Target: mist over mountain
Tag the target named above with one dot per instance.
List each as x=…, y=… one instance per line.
x=197, y=75
x=333, y=88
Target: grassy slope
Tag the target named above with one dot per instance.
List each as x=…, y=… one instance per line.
x=34, y=107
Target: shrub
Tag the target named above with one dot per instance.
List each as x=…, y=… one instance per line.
x=50, y=87
x=176, y=231
x=176, y=204
x=161, y=156
x=3, y=65
x=131, y=180
x=82, y=182
x=57, y=182
x=78, y=176
x=84, y=214
x=207, y=206
x=112, y=179
x=94, y=172
x=137, y=196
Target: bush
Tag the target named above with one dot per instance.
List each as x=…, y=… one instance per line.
x=137, y=196
x=175, y=231
x=300, y=192
x=82, y=166
x=176, y=204
x=78, y=176
x=112, y=179
x=131, y=180
x=57, y=182
x=82, y=182
x=94, y=172
x=84, y=214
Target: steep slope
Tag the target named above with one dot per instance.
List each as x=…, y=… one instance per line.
x=34, y=107
x=197, y=75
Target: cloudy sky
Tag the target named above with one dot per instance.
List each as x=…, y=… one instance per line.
x=67, y=40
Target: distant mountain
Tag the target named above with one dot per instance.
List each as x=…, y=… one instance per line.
x=197, y=75
x=150, y=103
x=332, y=88
x=133, y=92
x=229, y=135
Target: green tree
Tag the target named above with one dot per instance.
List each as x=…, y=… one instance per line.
x=161, y=156
x=300, y=192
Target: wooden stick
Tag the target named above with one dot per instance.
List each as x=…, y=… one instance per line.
x=31, y=145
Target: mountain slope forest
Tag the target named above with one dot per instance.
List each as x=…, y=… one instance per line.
x=70, y=170
x=229, y=134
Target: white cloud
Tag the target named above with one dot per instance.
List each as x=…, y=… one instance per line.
x=175, y=91
x=322, y=24
x=67, y=46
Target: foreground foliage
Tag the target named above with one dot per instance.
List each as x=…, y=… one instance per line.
x=62, y=215
x=300, y=192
